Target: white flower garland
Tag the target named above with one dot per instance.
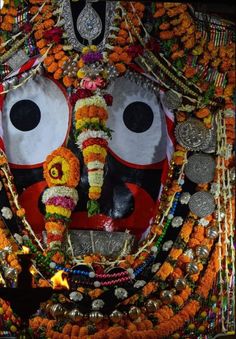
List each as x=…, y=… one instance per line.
x=60, y=191
x=95, y=100
x=88, y=134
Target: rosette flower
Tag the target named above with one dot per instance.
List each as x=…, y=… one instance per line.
x=62, y=173
x=92, y=138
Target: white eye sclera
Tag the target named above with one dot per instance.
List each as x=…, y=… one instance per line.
x=36, y=118
x=138, y=122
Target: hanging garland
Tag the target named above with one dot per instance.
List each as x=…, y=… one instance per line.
x=199, y=255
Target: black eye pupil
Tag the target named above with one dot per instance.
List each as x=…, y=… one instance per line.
x=25, y=115
x=138, y=117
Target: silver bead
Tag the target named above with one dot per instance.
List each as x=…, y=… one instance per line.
x=212, y=232
x=76, y=296
x=97, y=304
x=189, y=253
x=177, y=221
x=152, y=305
x=202, y=252
x=75, y=315
x=96, y=316
x=166, y=296
x=116, y=316
x=57, y=310
x=134, y=312
x=192, y=267
x=180, y=284
x=121, y=293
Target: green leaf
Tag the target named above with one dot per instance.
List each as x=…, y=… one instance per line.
x=93, y=207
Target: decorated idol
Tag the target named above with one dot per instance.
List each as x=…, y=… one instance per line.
x=116, y=165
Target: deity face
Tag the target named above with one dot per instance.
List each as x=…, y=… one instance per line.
x=37, y=118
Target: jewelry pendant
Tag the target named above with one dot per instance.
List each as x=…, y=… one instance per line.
x=89, y=24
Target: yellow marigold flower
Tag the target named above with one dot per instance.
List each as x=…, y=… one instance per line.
x=58, y=210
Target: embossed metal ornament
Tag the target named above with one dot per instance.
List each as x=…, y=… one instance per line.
x=180, y=284
x=96, y=316
x=200, y=168
x=166, y=296
x=202, y=251
x=202, y=204
x=192, y=267
x=212, y=232
x=76, y=296
x=89, y=23
x=75, y=315
x=172, y=100
x=192, y=134
x=57, y=310
x=121, y=293
x=152, y=305
x=97, y=304
x=116, y=316
x=134, y=312
x=184, y=198
x=177, y=221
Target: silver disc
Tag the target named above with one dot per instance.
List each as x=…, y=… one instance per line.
x=192, y=134
x=202, y=204
x=200, y=168
x=172, y=100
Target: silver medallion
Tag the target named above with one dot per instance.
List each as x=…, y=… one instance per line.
x=200, y=168
x=202, y=204
x=172, y=100
x=192, y=134
x=89, y=23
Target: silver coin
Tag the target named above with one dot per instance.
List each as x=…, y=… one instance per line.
x=171, y=100
x=202, y=204
x=192, y=134
x=200, y=168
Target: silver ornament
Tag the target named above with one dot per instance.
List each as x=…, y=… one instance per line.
x=134, y=312
x=172, y=100
x=180, y=284
x=75, y=315
x=96, y=316
x=152, y=305
x=200, y=168
x=202, y=204
x=166, y=296
x=192, y=134
x=76, y=296
x=212, y=232
x=177, y=222
x=97, y=304
x=192, y=267
x=184, y=198
x=57, y=310
x=121, y=293
x=189, y=253
x=202, y=251
x=116, y=316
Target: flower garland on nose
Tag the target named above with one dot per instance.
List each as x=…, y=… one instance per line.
x=61, y=172
x=91, y=114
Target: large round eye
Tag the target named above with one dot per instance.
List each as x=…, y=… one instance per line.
x=136, y=117
x=36, y=118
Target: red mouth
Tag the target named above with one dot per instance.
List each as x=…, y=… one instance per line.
x=137, y=222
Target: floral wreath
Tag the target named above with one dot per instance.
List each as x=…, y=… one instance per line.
x=159, y=297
